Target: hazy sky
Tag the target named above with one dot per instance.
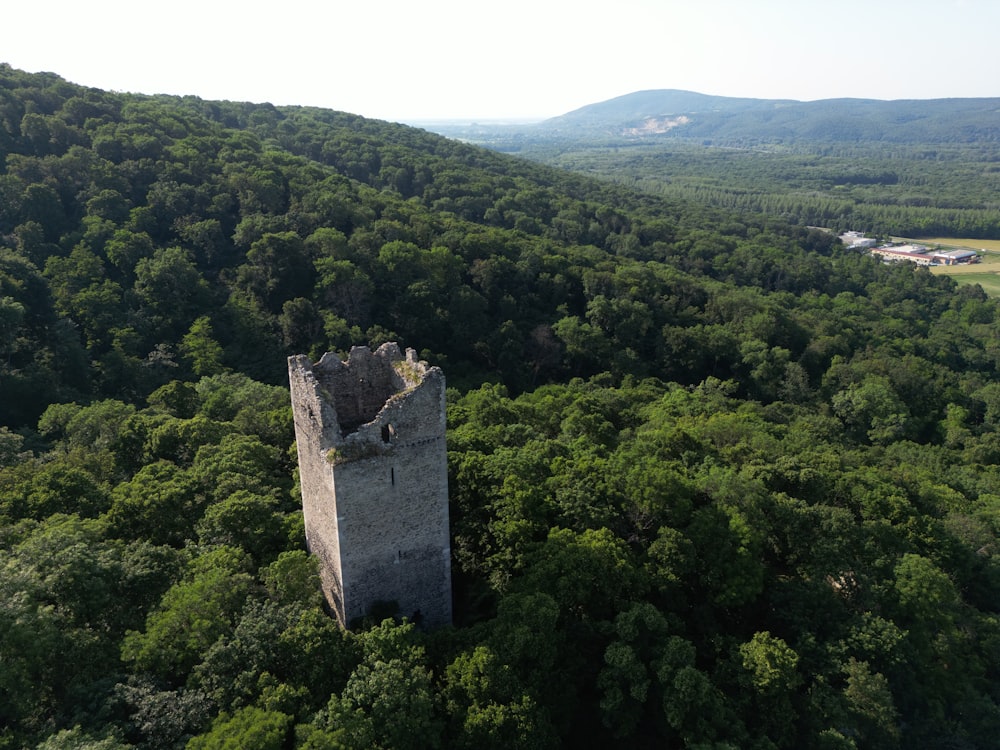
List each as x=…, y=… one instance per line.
x=409, y=60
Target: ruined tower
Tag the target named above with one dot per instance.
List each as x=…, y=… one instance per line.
x=370, y=433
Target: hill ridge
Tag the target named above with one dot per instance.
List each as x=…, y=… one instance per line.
x=960, y=119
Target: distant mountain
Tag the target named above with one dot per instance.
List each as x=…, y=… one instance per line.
x=673, y=113
x=634, y=108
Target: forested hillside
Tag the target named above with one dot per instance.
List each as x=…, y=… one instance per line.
x=715, y=481
x=910, y=191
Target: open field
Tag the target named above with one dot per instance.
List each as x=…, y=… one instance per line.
x=990, y=282
x=988, y=263
x=959, y=242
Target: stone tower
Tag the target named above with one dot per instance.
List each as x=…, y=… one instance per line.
x=370, y=433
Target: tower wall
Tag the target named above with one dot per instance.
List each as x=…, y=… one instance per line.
x=370, y=435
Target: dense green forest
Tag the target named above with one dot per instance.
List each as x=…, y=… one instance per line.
x=715, y=481
x=908, y=190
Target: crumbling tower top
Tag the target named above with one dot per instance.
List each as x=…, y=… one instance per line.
x=349, y=402
x=366, y=382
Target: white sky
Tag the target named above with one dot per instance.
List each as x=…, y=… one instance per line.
x=409, y=60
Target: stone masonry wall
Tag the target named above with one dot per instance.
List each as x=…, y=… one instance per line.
x=370, y=434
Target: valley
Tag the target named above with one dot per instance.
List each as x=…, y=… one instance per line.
x=919, y=169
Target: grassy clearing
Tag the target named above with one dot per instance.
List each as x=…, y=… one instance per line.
x=986, y=264
x=990, y=282
x=986, y=274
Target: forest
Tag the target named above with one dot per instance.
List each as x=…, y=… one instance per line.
x=909, y=190
x=715, y=481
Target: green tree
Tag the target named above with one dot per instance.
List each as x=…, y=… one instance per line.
x=96, y=426
x=160, y=503
x=872, y=409
x=77, y=739
x=770, y=671
x=176, y=398
x=770, y=664
x=126, y=249
x=201, y=349
x=12, y=448
x=171, y=290
x=11, y=321
x=192, y=616
x=627, y=680
x=389, y=698
x=277, y=269
x=490, y=708
x=56, y=488
x=345, y=289
x=591, y=575
x=246, y=520
x=301, y=325
x=871, y=706
x=249, y=727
